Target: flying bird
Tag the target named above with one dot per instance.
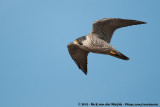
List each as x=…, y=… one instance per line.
x=98, y=41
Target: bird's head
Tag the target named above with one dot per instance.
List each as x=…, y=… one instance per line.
x=80, y=40
x=77, y=41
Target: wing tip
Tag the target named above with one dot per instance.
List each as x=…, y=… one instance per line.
x=85, y=72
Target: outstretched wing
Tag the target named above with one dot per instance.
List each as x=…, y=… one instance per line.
x=104, y=28
x=79, y=56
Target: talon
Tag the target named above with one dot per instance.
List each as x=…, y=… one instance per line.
x=112, y=52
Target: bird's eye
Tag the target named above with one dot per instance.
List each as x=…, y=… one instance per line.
x=76, y=41
x=80, y=43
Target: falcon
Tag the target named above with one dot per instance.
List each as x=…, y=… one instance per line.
x=98, y=41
